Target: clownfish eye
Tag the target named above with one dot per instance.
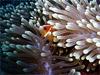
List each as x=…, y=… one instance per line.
x=45, y=28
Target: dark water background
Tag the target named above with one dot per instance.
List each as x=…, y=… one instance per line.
x=14, y=2
x=5, y=2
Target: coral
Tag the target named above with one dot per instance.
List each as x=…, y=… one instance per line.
x=76, y=24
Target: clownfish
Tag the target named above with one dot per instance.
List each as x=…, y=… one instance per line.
x=48, y=28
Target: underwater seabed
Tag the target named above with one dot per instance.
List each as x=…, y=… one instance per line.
x=49, y=37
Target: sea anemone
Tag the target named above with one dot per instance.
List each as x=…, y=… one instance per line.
x=20, y=51
x=11, y=14
x=5, y=12
x=25, y=51
x=77, y=25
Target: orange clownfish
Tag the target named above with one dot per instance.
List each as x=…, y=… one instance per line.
x=48, y=28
